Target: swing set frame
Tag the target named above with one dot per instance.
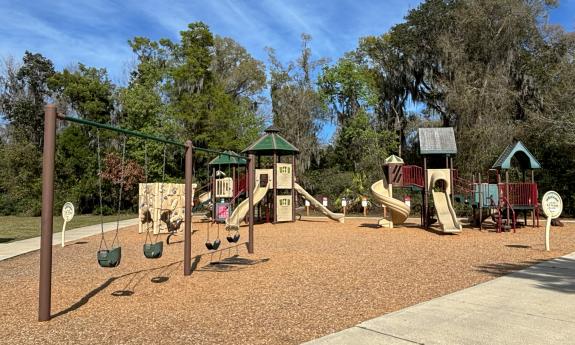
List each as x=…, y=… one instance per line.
x=48, y=162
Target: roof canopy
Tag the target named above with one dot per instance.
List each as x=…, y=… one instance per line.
x=224, y=159
x=271, y=142
x=393, y=159
x=521, y=153
x=434, y=141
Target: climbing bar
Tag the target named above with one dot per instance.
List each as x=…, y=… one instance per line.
x=120, y=130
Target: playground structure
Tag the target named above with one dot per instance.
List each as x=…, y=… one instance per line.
x=435, y=184
x=502, y=200
x=438, y=146
x=275, y=186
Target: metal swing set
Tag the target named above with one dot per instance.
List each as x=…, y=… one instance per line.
x=110, y=256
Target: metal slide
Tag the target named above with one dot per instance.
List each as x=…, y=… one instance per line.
x=399, y=210
x=331, y=215
x=233, y=222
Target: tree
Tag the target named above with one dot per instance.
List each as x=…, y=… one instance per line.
x=297, y=107
x=88, y=91
x=23, y=92
x=347, y=87
x=203, y=88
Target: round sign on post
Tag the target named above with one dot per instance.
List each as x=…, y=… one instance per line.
x=552, y=205
x=307, y=204
x=324, y=202
x=67, y=215
x=343, y=202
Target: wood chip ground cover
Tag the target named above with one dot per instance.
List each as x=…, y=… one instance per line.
x=307, y=279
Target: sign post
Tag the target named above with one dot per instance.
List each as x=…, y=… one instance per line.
x=344, y=205
x=307, y=207
x=552, y=207
x=364, y=205
x=67, y=214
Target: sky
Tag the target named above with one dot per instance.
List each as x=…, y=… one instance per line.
x=96, y=32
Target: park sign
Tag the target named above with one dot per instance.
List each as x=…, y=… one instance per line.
x=552, y=205
x=67, y=214
x=68, y=211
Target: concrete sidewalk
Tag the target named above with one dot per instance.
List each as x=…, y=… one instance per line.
x=9, y=250
x=532, y=306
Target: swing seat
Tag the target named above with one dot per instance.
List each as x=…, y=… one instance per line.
x=209, y=245
x=216, y=244
x=230, y=239
x=110, y=258
x=153, y=250
x=236, y=238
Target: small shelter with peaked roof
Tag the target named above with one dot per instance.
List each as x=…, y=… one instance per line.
x=228, y=182
x=283, y=154
x=518, y=151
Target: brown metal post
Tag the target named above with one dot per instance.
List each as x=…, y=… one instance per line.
x=452, y=180
x=45, y=293
x=480, y=203
x=507, y=195
x=251, y=187
x=425, y=201
x=235, y=184
x=188, y=210
x=275, y=175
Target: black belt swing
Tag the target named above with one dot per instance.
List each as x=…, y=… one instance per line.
x=110, y=256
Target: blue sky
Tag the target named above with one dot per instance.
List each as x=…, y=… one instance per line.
x=95, y=32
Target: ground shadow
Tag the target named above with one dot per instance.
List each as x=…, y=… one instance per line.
x=128, y=290
x=522, y=246
x=6, y=239
x=79, y=242
x=370, y=225
x=557, y=274
x=233, y=263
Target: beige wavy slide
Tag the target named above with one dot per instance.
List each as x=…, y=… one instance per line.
x=399, y=210
x=233, y=222
x=331, y=215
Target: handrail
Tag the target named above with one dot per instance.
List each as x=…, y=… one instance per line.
x=504, y=200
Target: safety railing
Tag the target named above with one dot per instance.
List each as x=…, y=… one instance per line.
x=413, y=176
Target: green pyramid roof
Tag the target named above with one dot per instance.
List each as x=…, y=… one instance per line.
x=224, y=159
x=393, y=159
x=524, y=157
x=271, y=142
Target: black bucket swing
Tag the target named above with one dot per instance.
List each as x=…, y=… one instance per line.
x=216, y=243
x=109, y=257
x=233, y=236
x=153, y=249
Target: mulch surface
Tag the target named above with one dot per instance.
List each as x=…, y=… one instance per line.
x=307, y=279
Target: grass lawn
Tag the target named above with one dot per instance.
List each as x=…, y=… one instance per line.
x=13, y=228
